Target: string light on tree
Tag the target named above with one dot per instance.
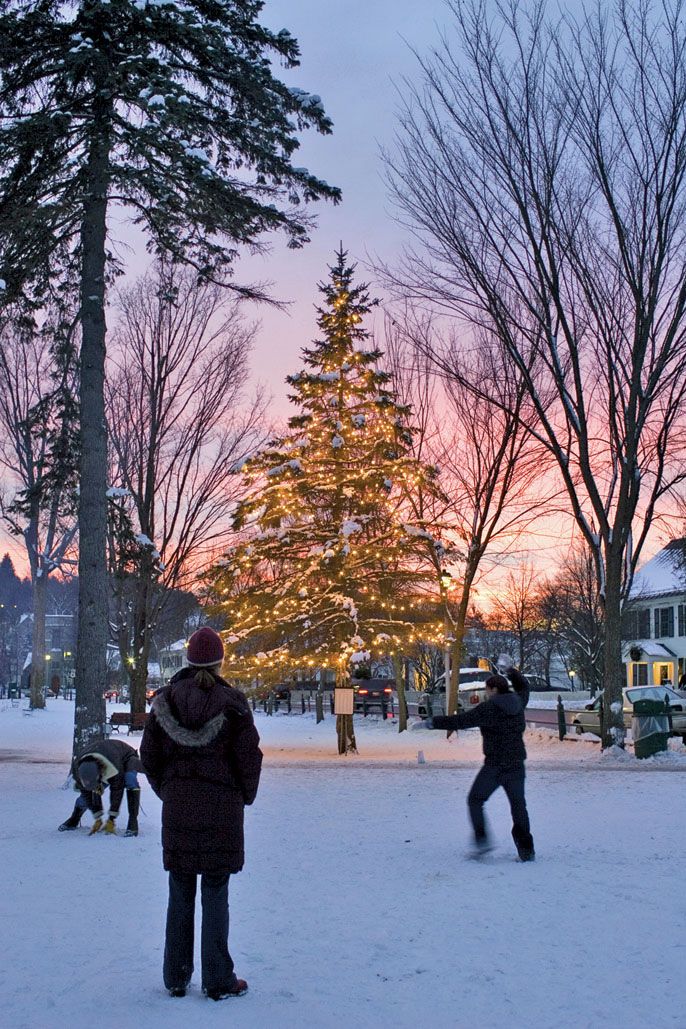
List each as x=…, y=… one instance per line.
x=327, y=568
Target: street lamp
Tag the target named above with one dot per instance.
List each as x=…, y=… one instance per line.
x=572, y=673
x=446, y=579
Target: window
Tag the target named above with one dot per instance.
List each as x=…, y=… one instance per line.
x=663, y=620
x=630, y=625
x=639, y=674
x=682, y=619
x=636, y=624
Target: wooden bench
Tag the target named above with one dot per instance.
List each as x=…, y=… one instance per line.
x=133, y=723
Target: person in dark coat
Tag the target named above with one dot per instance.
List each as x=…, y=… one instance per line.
x=106, y=763
x=201, y=754
x=501, y=720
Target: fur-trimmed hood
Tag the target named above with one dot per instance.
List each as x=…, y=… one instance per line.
x=182, y=734
x=193, y=715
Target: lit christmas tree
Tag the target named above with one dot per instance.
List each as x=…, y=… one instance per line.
x=329, y=573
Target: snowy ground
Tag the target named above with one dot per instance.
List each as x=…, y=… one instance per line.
x=357, y=906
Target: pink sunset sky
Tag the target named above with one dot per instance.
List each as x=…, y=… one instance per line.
x=355, y=56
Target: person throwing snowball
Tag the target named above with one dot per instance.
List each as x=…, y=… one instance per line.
x=501, y=720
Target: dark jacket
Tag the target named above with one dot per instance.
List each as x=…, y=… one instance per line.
x=502, y=723
x=115, y=759
x=201, y=756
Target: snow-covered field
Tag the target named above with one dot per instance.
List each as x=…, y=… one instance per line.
x=357, y=906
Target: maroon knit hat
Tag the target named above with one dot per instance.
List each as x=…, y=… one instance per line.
x=205, y=648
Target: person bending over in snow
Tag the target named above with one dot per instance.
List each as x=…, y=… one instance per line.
x=501, y=720
x=110, y=763
x=201, y=755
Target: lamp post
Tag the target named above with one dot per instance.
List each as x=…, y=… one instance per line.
x=571, y=673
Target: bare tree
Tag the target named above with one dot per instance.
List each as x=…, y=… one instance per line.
x=38, y=422
x=515, y=610
x=179, y=424
x=572, y=606
x=491, y=465
x=543, y=168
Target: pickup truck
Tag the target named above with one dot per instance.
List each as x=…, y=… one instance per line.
x=470, y=691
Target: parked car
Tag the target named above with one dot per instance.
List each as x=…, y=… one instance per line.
x=539, y=684
x=374, y=694
x=112, y=695
x=282, y=695
x=588, y=719
x=470, y=691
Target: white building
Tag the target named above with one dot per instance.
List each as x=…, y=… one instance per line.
x=172, y=659
x=654, y=623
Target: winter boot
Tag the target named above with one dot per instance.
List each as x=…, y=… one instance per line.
x=481, y=846
x=237, y=990
x=524, y=842
x=73, y=821
x=133, y=802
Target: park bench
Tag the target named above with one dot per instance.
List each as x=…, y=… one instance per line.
x=133, y=723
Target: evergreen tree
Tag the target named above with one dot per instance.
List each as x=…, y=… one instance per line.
x=15, y=593
x=167, y=110
x=329, y=573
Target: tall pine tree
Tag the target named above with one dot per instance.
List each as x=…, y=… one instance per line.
x=329, y=572
x=165, y=110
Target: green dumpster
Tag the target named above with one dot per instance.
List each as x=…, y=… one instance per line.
x=649, y=727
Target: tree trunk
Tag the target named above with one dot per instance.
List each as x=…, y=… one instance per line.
x=398, y=671
x=346, y=734
x=456, y=652
x=141, y=641
x=91, y=654
x=138, y=678
x=40, y=586
x=613, y=717
x=344, y=723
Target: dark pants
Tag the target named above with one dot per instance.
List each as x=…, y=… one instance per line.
x=91, y=801
x=512, y=781
x=217, y=966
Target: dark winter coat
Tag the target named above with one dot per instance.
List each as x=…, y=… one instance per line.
x=201, y=754
x=502, y=723
x=115, y=759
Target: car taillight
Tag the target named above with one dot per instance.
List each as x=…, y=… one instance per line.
x=363, y=693
x=473, y=699
x=387, y=689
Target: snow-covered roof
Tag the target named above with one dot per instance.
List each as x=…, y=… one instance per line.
x=665, y=573
x=650, y=649
x=177, y=645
